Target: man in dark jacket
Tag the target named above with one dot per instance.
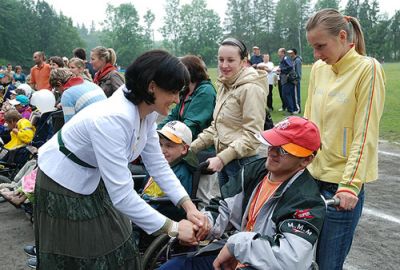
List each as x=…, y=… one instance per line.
x=274, y=204
x=285, y=67
x=256, y=58
x=297, y=62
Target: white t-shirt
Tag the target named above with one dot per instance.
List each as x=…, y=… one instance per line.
x=271, y=74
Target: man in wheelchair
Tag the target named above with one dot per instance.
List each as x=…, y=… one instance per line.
x=274, y=204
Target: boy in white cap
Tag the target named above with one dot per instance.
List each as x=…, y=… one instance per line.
x=175, y=139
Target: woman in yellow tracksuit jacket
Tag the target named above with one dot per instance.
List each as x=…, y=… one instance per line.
x=345, y=99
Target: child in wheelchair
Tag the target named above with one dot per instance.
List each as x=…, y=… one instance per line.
x=273, y=204
x=21, y=134
x=175, y=138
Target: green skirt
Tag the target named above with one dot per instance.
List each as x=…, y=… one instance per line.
x=75, y=231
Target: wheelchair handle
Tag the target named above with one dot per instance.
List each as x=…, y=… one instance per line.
x=332, y=201
x=203, y=167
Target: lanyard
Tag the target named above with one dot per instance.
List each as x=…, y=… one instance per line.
x=264, y=192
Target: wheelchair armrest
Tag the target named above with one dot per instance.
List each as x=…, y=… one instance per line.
x=196, y=201
x=166, y=200
x=160, y=200
x=8, y=165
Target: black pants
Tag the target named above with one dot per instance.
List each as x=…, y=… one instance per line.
x=284, y=106
x=269, y=98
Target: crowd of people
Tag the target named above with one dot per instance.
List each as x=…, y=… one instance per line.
x=269, y=201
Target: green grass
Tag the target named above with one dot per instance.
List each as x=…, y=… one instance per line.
x=390, y=121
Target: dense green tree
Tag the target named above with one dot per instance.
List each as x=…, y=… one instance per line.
x=200, y=31
x=90, y=36
x=394, y=38
x=286, y=27
x=252, y=22
x=148, y=30
x=32, y=26
x=352, y=8
x=266, y=39
x=327, y=4
x=123, y=33
x=233, y=21
x=172, y=26
x=305, y=11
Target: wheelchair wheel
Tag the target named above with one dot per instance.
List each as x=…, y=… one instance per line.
x=4, y=179
x=152, y=258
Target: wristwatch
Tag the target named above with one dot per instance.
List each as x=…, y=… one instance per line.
x=173, y=231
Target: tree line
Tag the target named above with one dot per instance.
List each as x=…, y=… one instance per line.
x=30, y=26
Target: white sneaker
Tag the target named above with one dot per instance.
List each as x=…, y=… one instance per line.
x=280, y=110
x=296, y=112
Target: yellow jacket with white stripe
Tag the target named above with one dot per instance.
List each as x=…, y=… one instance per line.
x=26, y=132
x=346, y=102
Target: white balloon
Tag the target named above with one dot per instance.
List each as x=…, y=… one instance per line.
x=44, y=100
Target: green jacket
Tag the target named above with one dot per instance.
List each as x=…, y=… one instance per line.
x=184, y=169
x=198, y=110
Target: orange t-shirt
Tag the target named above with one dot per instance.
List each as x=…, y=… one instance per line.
x=40, y=76
x=264, y=191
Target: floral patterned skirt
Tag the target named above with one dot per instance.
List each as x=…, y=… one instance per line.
x=75, y=231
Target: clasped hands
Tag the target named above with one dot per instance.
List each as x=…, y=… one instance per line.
x=195, y=228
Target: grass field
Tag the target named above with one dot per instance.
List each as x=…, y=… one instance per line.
x=390, y=122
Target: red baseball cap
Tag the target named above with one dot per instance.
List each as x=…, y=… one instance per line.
x=297, y=135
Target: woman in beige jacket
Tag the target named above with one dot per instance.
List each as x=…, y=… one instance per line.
x=239, y=112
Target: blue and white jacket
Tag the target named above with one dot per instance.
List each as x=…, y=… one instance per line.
x=79, y=96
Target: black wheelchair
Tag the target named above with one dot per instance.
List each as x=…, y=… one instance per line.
x=154, y=250
x=163, y=248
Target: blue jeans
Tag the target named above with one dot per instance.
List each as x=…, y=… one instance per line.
x=337, y=232
x=189, y=263
x=288, y=96
x=232, y=168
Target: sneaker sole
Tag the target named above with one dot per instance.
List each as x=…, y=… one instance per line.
x=30, y=255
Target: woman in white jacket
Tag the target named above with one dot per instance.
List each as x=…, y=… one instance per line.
x=85, y=201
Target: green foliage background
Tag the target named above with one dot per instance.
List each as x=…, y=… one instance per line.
x=188, y=28
x=27, y=26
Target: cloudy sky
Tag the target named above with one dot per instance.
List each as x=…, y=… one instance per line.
x=87, y=11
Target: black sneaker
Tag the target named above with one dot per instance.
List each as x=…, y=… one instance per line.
x=32, y=262
x=30, y=250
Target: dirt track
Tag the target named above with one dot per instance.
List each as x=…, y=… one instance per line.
x=376, y=244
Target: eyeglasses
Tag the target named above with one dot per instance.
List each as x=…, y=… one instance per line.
x=279, y=150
